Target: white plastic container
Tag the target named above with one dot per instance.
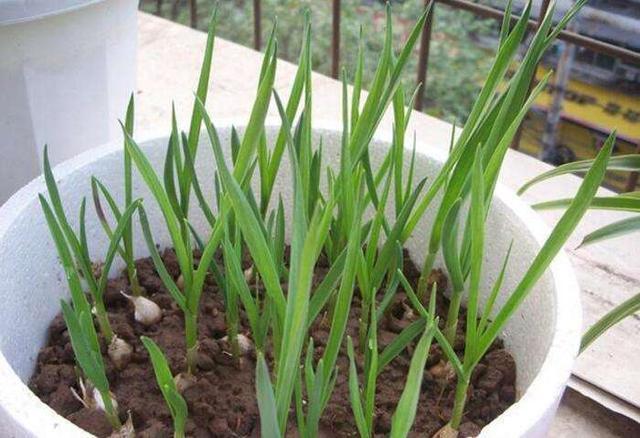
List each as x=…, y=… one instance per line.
x=543, y=335
x=67, y=68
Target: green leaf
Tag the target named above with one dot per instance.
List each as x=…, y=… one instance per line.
x=619, y=203
x=306, y=242
x=400, y=342
x=344, y=297
x=617, y=314
x=477, y=214
x=371, y=368
x=388, y=250
x=173, y=165
x=478, y=115
x=405, y=413
x=173, y=222
x=196, y=115
x=80, y=254
x=295, y=94
x=381, y=93
x=255, y=125
x=506, y=22
x=450, y=246
x=354, y=393
x=249, y=224
x=357, y=82
x=204, y=205
x=96, y=188
x=166, y=278
x=266, y=400
x=176, y=403
x=615, y=229
x=238, y=282
x=78, y=297
x=488, y=307
x=160, y=365
x=628, y=163
x=325, y=289
x=123, y=224
x=91, y=363
x=554, y=243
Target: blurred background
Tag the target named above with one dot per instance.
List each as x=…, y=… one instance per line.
x=595, y=88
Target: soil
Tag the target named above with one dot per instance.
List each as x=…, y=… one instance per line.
x=222, y=403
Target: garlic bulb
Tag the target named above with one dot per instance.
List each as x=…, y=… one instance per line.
x=244, y=343
x=119, y=352
x=443, y=371
x=446, y=432
x=248, y=274
x=146, y=311
x=184, y=381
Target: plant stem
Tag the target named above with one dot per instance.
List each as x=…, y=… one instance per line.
x=110, y=411
x=424, y=276
x=364, y=324
x=103, y=321
x=452, y=317
x=132, y=272
x=191, y=338
x=458, y=404
x=233, y=337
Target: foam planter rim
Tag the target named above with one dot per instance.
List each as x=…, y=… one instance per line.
x=23, y=414
x=23, y=11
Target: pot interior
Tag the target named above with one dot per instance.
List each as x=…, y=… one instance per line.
x=32, y=281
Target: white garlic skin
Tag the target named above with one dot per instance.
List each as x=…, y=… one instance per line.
x=119, y=352
x=244, y=343
x=146, y=312
x=99, y=402
x=183, y=381
x=127, y=430
x=446, y=432
x=248, y=274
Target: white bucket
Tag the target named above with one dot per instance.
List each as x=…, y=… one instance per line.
x=543, y=335
x=67, y=68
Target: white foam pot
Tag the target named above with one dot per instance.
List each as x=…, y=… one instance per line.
x=543, y=335
x=67, y=68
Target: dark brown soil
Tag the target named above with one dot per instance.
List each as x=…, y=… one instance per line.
x=222, y=403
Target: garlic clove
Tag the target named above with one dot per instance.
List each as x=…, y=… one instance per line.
x=248, y=274
x=119, y=352
x=244, y=343
x=146, y=311
x=443, y=371
x=446, y=432
x=180, y=282
x=184, y=381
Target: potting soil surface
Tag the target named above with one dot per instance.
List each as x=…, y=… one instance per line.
x=222, y=401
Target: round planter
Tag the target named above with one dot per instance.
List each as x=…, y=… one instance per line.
x=67, y=68
x=543, y=335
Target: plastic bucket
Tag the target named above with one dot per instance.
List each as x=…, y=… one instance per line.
x=67, y=68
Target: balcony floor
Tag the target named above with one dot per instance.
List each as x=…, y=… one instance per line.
x=169, y=60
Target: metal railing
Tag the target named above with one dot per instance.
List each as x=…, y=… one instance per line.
x=480, y=10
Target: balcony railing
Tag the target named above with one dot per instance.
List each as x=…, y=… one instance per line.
x=629, y=56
